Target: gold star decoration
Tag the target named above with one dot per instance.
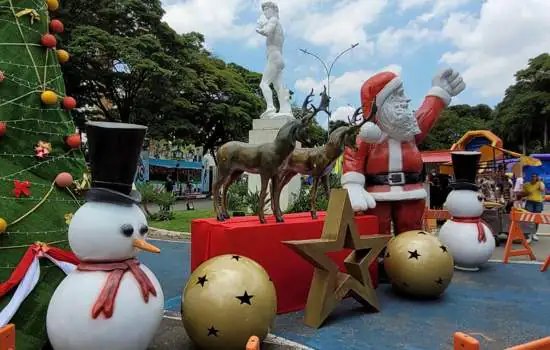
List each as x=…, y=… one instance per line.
x=329, y=286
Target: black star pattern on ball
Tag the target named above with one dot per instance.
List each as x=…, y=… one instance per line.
x=236, y=257
x=414, y=255
x=444, y=249
x=245, y=299
x=202, y=280
x=439, y=281
x=213, y=331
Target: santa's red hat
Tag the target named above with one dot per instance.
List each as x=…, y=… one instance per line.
x=377, y=89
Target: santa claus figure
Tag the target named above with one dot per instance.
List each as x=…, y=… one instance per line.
x=383, y=175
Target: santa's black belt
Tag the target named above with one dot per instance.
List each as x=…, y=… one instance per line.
x=394, y=179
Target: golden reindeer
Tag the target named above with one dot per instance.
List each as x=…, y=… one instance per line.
x=318, y=162
x=234, y=158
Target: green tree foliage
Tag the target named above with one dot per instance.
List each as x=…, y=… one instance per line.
x=123, y=53
x=454, y=122
x=522, y=117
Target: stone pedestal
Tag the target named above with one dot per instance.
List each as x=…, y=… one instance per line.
x=263, y=131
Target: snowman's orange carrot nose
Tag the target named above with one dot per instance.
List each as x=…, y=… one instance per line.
x=143, y=245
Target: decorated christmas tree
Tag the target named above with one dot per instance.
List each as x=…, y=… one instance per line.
x=40, y=161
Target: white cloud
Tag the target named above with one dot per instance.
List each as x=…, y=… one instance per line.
x=393, y=41
x=437, y=7
x=343, y=113
x=342, y=24
x=441, y=8
x=491, y=47
x=346, y=84
x=210, y=18
x=405, y=5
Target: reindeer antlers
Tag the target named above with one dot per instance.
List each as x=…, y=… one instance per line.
x=307, y=101
x=310, y=111
x=356, y=117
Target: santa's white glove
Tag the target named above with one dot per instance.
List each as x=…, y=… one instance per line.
x=447, y=84
x=360, y=199
x=370, y=133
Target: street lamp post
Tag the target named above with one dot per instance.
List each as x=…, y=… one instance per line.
x=328, y=69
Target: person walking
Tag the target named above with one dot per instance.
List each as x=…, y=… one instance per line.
x=534, y=199
x=518, y=193
x=169, y=184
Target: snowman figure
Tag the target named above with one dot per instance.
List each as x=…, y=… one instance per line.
x=468, y=238
x=110, y=301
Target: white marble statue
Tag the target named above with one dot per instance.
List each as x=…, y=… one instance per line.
x=271, y=28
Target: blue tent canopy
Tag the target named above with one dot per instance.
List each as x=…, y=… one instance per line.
x=175, y=164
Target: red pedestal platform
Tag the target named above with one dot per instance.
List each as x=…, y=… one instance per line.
x=290, y=273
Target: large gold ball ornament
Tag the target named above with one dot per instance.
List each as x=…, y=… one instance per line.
x=227, y=300
x=418, y=264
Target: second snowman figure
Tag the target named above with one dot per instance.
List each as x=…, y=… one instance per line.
x=468, y=238
x=110, y=301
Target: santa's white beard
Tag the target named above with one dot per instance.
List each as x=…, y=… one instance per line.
x=396, y=120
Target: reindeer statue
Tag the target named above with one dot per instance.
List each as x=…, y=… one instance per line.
x=318, y=162
x=234, y=158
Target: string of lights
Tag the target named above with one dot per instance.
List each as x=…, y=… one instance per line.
x=39, y=121
x=39, y=132
x=39, y=199
x=39, y=164
x=25, y=65
x=28, y=245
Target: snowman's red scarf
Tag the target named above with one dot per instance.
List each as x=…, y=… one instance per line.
x=106, y=301
x=479, y=223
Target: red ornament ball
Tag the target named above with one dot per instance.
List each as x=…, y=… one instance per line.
x=3, y=129
x=63, y=180
x=73, y=141
x=57, y=26
x=48, y=40
x=69, y=102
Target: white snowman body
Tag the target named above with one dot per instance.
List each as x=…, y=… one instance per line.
x=462, y=238
x=104, y=232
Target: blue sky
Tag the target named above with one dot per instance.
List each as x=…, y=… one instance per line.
x=487, y=41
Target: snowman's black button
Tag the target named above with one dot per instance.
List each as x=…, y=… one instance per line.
x=127, y=230
x=143, y=229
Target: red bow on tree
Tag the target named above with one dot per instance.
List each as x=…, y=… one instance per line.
x=21, y=188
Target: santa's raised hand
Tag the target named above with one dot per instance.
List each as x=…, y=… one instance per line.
x=448, y=83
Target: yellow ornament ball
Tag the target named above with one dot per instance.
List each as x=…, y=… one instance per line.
x=53, y=5
x=63, y=56
x=418, y=264
x=227, y=300
x=3, y=225
x=49, y=97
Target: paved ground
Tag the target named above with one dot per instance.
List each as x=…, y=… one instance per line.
x=507, y=304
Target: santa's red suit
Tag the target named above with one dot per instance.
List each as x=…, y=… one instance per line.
x=389, y=169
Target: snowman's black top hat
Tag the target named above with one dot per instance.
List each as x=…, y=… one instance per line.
x=114, y=150
x=465, y=170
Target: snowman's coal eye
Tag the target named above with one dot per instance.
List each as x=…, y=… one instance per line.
x=127, y=230
x=143, y=229
x=479, y=198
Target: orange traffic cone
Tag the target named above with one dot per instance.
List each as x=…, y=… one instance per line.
x=541, y=344
x=7, y=337
x=463, y=341
x=253, y=343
